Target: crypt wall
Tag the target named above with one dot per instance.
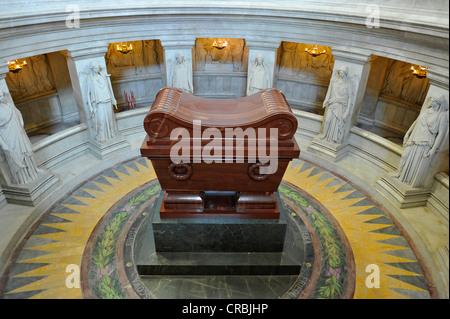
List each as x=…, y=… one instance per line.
x=392, y=102
x=45, y=94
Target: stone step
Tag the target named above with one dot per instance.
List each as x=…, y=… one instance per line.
x=211, y=263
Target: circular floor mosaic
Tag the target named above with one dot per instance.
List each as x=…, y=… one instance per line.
x=110, y=270
x=342, y=235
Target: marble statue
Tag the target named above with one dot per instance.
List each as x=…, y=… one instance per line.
x=181, y=74
x=422, y=141
x=338, y=101
x=15, y=144
x=100, y=100
x=259, y=77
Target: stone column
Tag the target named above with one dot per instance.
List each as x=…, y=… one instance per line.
x=79, y=61
x=58, y=66
x=39, y=182
x=178, y=64
x=341, y=119
x=374, y=87
x=406, y=195
x=2, y=198
x=261, y=75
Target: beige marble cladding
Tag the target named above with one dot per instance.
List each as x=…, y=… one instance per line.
x=422, y=45
x=414, y=32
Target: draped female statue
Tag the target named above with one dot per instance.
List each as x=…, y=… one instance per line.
x=259, y=77
x=422, y=141
x=338, y=101
x=15, y=144
x=100, y=101
x=181, y=74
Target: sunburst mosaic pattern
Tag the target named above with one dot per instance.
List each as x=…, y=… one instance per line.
x=373, y=237
x=367, y=236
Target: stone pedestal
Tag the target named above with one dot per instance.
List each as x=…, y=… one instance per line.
x=2, y=199
x=331, y=151
x=189, y=246
x=217, y=235
x=30, y=194
x=109, y=147
x=401, y=194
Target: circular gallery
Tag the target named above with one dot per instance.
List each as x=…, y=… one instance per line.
x=96, y=204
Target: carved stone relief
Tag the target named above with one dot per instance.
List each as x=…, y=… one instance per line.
x=144, y=58
x=295, y=61
x=34, y=79
x=235, y=54
x=181, y=73
x=259, y=76
x=401, y=84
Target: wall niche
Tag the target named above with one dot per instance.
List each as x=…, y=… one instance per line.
x=136, y=76
x=304, y=77
x=220, y=67
x=42, y=92
x=393, y=99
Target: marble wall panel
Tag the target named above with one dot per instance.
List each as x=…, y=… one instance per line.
x=231, y=85
x=294, y=60
x=40, y=112
x=395, y=116
x=302, y=94
x=235, y=54
x=144, y=89
x=145, y=58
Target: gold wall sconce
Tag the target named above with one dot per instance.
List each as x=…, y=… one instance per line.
x=15, y=66
x=419, y=71
x=124, y=47
x=314, y=51
x=220, y=44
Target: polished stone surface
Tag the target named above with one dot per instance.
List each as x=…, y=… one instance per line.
x=276, y=251
x=219, y=235
x=407, y=33
x=96, y=225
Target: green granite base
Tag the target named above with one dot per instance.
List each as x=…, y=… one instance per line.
x=217, y=247
x=218, y=235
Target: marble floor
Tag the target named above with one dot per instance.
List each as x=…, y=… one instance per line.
x=351, y=246
x=39, y=134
